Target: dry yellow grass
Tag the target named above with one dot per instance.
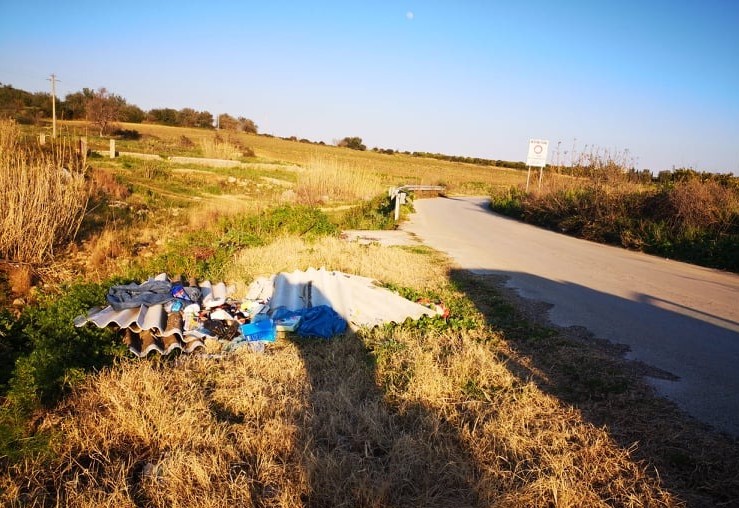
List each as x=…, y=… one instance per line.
x=393, y=265
x=401, y=417
x=216, y=148
x=326, y=180
x=213, y=208
x=394, y=169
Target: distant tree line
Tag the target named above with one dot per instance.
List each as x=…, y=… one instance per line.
x=103, y=109
x=456, y=158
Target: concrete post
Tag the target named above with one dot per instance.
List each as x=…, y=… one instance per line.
x=83, y=145
x=42, y=139
x=399, y=200
x=112, y=148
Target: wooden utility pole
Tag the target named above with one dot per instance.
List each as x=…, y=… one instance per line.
x=53, y=105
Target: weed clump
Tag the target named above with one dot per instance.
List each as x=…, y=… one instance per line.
x=377, y=213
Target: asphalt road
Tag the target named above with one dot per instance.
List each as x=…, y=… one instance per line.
x=677, y=317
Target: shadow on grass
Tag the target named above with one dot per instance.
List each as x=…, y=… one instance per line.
x=361, y=451
x=594, y=376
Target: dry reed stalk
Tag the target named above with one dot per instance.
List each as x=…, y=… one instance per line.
x=209, y=212
x=326, y=179
x=43, y=196
x=106, y=246
x=219, y=149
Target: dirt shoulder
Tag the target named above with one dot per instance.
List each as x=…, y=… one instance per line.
x=594, y=376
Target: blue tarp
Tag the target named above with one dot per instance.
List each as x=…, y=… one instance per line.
x=320, y=321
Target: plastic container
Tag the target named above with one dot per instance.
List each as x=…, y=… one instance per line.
x=261, y=330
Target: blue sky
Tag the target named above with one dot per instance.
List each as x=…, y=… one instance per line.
x=479, y=78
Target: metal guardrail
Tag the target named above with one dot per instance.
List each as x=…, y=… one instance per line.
x=439, y=188
x=399, y=194
x=394, y=191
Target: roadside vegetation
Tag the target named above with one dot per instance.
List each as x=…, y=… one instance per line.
x=483, y=408
x=683, y=215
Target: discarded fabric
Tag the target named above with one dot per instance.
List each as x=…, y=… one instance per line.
x=129, y=296
x=321, y=321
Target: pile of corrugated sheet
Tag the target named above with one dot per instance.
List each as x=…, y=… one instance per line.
x=163, y=315
x=150, y=320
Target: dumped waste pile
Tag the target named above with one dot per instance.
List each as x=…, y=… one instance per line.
x=164, y=315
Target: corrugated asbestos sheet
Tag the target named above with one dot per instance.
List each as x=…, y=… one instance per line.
x=356, y=299
x=152, y=328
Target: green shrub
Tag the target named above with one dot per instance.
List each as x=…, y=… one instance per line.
x=508, y=202
x=304, y=221
x=205, y=254
x=377, y=213
x=53, y=353
x=13, y=344
x=691, y=219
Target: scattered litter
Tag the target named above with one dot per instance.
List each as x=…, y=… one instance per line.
x=164, y=315
x=260, y=330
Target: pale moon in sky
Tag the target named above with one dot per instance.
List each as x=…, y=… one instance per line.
x=409, y=15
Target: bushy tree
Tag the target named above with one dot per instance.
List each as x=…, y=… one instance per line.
x=205, y=120
x=132, y=113
x=227, y=122
x=355, y=143
x=247, y=125
x=165, y=116
x=188, y=117
x=74, y=106
x=23, y=106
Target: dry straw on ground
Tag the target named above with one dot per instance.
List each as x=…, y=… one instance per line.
x=403, y=417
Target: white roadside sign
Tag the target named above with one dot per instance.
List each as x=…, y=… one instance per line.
x=537, y=157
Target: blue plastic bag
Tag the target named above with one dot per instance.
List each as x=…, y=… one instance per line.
x=321, y=321
x=261, y=330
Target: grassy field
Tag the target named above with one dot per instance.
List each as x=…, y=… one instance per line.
x=394, y=169
x=485, y=408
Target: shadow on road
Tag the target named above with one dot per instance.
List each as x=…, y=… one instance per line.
x=594, y=376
